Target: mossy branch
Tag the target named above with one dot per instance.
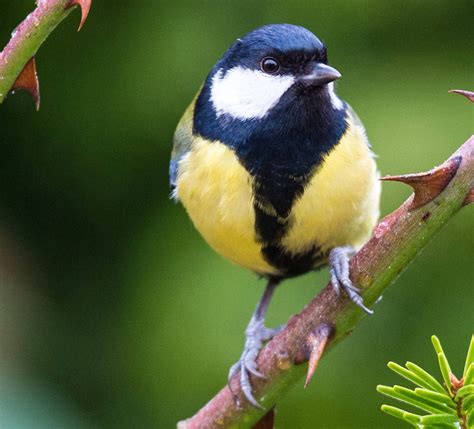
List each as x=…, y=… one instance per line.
x=329, y=318
x=17, y=65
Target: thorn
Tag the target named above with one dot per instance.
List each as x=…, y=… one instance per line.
x=28, y=81
x=469, y=198
x=316, y=342
x=85, y=6
x=429, y=185
x=267, y=421
x=468, y=94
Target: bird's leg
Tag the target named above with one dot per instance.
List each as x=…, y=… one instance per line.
x=339, y=270
x=256, y=334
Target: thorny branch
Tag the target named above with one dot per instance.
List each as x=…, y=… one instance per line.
x=327, y=319
x=17, y=60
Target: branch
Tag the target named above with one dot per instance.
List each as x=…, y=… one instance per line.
x=17, y=62
x=328, y=318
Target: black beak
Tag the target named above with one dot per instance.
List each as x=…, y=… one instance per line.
x=320, y=74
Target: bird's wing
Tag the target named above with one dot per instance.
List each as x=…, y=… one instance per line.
x=182, y=141
x=355, y=117
x=355, y=120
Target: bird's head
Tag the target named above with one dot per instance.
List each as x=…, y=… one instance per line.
x=259, y=68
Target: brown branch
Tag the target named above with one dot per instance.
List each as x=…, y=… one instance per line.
x=397, y=239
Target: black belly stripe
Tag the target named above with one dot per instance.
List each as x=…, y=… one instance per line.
x=291, y=264
x=270, y=229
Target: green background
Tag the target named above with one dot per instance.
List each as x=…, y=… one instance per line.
x=114, y=313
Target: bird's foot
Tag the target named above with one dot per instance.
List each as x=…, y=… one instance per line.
x=339, y=270
x=256, y=334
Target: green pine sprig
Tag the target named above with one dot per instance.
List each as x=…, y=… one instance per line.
x=449, y=405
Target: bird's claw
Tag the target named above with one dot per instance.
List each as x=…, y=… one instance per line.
x=256, y=334
x=339, y=271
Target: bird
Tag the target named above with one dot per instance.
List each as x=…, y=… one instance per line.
x=275, y=170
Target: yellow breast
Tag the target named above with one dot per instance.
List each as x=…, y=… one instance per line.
x=216, y=191
x=338, y=207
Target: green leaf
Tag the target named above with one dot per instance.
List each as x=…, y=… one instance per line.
x=435, y=396
x=401, y=414
x=437, y=344
x=440, y=426
x=468, y=404
x=411, y=397
x=439, y=418
x=409, y=375
x=445, y=371
x=411, y=418
x=470, y=419
x=469, y=357
x=469, y=375
x=389, y=391
x=392, y=393
x=443, y=363
x=420, y=372
x=445, y=409
x=464, y=391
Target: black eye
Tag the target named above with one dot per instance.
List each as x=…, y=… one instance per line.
x=270, y=65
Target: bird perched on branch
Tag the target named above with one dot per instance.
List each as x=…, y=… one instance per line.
x=275, y=170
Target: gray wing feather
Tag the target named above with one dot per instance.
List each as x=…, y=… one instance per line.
x=182, y=141
x=356, y=121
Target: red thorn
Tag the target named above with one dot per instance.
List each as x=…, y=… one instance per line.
x=468, y=94
x=315, y=344
x=85, y=6
x=469, y=198
x=267, y=421
x=28, y=81
x=429, y=185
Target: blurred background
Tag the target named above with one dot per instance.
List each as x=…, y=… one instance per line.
x=113, y=311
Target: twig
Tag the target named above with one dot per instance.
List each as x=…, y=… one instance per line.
x=17, y=65
x=397, y=239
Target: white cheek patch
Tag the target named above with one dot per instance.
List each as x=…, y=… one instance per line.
x=247, y=94
x=335, y=100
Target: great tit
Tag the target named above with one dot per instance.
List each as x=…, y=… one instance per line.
x=275, y=170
